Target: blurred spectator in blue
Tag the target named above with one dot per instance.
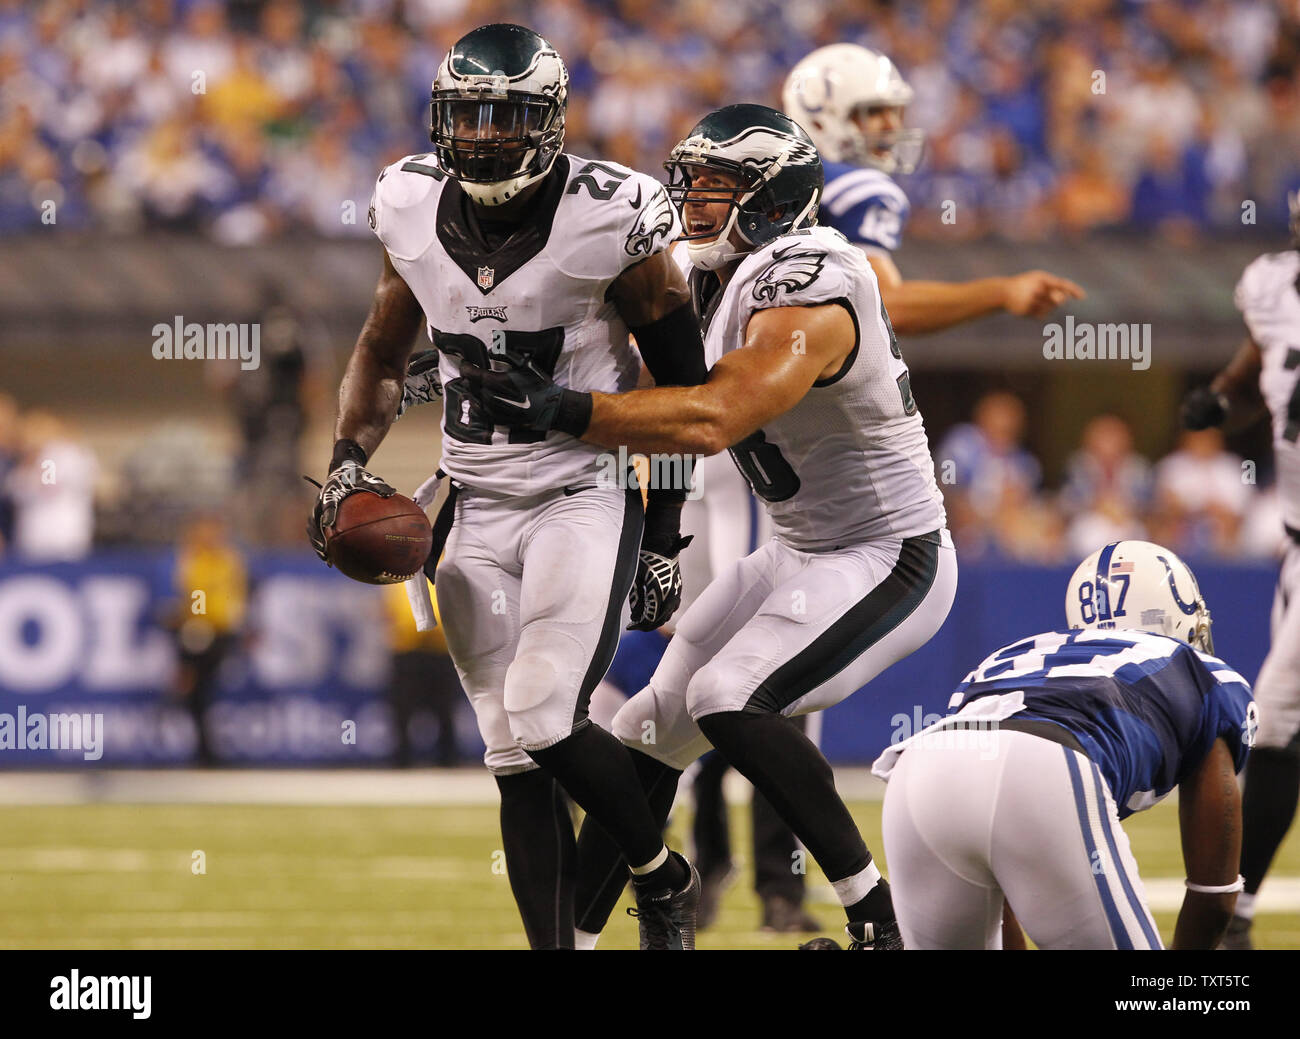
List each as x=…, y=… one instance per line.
x=1172, y=193
x=983, y=467
x=1107, y=488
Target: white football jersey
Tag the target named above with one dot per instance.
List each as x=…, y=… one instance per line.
x=1269, y=300
x=849, y=462
x=538, y=295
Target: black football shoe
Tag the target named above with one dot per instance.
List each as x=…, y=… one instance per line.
x=879, y=935
x=667, y=917
x=822, y=944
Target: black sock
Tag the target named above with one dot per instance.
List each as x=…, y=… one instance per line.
x=1268, y=807
x=597, y=771
x=541, y=856
x=670, y=875
x=876, y=904
x=602, y=870
x=787, y=767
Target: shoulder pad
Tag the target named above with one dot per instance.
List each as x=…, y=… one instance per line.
x=804, y=268
x=615, y=218
x=403, y=209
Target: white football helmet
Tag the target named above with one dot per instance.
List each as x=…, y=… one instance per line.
x=829, y=86
x=1135, y=584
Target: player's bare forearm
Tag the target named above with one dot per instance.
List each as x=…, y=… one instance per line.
x=666, y=420
x=1209, y=817
x=786, y=350
x=1238, y=383
x=372, y=383
x=917, y=307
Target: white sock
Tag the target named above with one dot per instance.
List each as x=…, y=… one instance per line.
x=1245, y=906
x=854, y=889
x=584, y=940
x=655, y=863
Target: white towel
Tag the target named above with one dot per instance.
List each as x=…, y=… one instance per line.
x=417, y=587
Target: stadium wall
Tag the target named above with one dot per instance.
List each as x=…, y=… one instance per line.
x=91, y=638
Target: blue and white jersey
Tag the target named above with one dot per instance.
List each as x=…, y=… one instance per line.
x=864, y=205
x=1145, y=708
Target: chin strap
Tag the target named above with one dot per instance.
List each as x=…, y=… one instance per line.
x=720, y=251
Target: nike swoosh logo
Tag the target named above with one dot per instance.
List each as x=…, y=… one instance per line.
x=569, y=492
x=636, y=202
x=522, y=405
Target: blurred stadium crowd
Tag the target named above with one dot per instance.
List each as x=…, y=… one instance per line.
x=257, y=117
x=1200, y=497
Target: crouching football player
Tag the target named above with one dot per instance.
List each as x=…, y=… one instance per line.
x=1056, y=738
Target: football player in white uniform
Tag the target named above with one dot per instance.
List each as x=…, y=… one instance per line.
x=809, y=391
x=1265, y=374
x=515, y=252
x=850, y=100
x=1054, y=739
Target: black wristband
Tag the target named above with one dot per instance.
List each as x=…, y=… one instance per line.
x=346, y=450
x=573, y=416
x=663, y=521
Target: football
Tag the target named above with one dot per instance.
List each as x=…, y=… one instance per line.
x=378, y=540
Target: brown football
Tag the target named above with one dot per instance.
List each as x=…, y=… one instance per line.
x=378, y=540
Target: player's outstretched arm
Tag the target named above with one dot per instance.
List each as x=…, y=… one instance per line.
x=786, y=350
x=372, y=384
x=1209, y=818
x=1232, y=399
x=916, y=307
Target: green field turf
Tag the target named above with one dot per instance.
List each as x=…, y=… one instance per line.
x=119, y=876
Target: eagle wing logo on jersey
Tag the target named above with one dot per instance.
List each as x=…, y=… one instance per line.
x=657, y=220
x=790, y=270
x=487, y=276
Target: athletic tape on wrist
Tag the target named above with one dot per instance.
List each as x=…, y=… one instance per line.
x=1222, y=889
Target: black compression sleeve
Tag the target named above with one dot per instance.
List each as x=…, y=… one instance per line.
x=673, y=348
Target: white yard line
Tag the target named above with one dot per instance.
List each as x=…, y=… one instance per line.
x=459, y=786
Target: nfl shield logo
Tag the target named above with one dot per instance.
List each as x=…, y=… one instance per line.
x=486, y=276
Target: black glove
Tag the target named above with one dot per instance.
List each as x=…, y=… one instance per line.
x=347, y=477
x=422, y=384
x=1203, y=408
x=657, y=588
x=521, y=397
